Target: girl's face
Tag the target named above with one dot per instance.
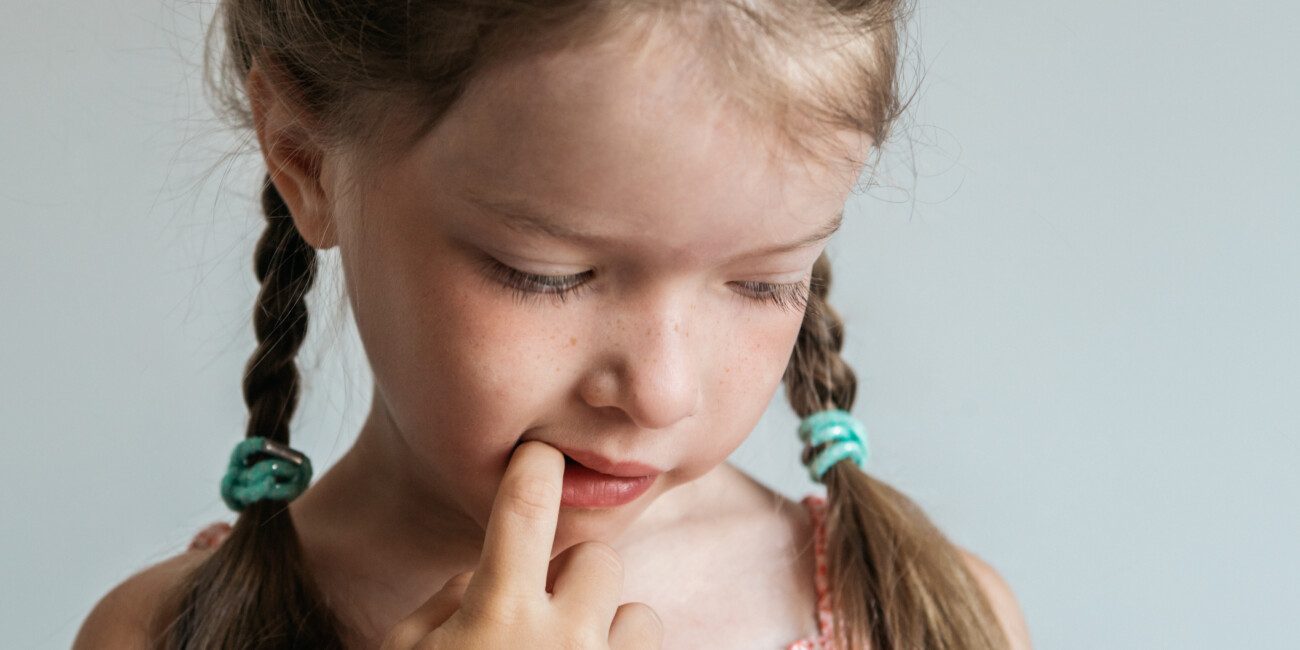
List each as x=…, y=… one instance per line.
x=584, y=253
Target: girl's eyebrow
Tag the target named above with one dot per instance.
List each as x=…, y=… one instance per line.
x=821, y=235
x=528, y=218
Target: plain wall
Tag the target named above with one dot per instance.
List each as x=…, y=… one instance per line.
x=1074, y=326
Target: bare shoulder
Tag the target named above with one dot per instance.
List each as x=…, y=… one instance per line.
x=122, y=619
x=1003, y=600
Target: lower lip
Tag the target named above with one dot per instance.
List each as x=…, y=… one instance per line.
x=587, y=488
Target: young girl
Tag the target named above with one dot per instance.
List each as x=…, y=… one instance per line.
x=582, y=241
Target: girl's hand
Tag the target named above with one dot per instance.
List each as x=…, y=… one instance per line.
x=504, y=604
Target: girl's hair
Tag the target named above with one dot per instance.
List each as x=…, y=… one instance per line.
x=368, y=77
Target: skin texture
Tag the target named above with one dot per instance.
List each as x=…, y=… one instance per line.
x=666, y=356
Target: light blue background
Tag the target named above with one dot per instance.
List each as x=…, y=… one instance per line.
x=1076, y=328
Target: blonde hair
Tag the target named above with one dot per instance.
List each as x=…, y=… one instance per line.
x=805, y=68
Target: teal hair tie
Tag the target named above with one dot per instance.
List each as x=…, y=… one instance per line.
x=829, y=437
x=281, y=477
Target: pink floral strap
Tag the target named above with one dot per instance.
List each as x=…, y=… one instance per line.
x=816, y=506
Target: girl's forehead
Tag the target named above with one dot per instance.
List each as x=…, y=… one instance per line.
x=639, y=140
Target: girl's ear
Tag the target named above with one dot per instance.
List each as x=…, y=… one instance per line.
x=293, y=159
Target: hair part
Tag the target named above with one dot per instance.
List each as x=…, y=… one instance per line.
x=368, y=79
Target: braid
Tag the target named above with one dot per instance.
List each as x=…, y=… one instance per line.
x=286, y=267
x=254, y=591
x=817, y=378
x=896, y=582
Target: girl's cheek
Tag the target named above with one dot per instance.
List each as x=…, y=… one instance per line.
x=751, y=358
x=510, y=352
x=757, y=352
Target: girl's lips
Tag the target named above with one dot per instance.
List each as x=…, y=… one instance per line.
x=593, y=481
x=609, y=468
x=587, y=488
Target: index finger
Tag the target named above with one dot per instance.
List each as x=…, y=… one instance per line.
x=521, y=528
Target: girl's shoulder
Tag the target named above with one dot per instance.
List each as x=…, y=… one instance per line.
x=127, y=616
x=1003, y=601
x=210, y=537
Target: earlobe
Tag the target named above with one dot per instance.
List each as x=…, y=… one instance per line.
x=293, y=159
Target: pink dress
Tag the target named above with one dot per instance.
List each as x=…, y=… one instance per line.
x=816, y=505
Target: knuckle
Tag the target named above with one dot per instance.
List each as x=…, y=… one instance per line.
x=533, y=497
x=498, y=610
x=599, y=554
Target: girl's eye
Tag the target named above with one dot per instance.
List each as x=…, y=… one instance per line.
x=792, y=297
x=529, y=286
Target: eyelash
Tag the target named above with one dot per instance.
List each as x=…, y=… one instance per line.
x=528, y=286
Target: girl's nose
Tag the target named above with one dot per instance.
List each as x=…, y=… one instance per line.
x=649, y=368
